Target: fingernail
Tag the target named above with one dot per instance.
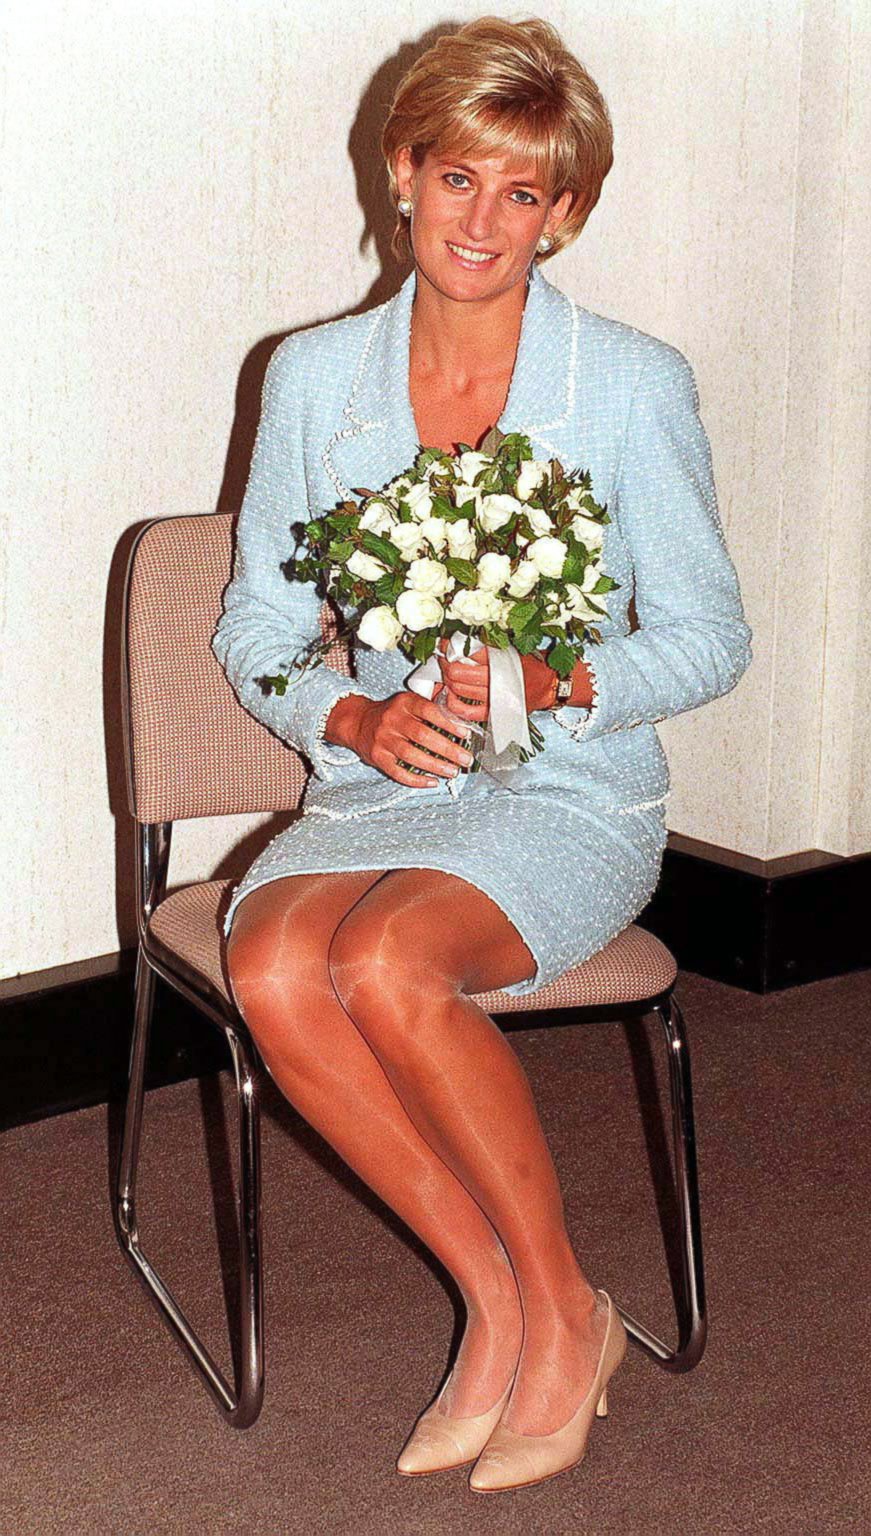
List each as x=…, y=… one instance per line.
x=467, y=758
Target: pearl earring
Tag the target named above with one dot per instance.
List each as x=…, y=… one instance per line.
x=545, y=243
x=405, y=206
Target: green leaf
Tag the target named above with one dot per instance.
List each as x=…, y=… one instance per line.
x=562, y=659
x=463, y=571
x=575, y=561
x=496, y=637
x=387, y=588
x=424, y=644
x=520, y=615
x=528, y=641
x=341, y=549
x=376, y=545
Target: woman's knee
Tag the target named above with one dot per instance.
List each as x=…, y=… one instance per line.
x=384, y=978
x=274, y=962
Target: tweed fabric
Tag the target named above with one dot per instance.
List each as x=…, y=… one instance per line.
x=631, y=968
x=193, y=750
x=600, y=395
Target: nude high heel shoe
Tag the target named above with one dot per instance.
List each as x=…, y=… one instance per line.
x=439, y=1442
x=512, y=1460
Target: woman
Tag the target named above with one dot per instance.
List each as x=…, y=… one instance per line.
x=356, y=938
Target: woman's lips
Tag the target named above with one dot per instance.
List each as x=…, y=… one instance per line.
x=470, y=265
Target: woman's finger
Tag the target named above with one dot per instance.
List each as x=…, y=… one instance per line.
x=459, y=706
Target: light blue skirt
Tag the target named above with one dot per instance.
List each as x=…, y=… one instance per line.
x=569, y=874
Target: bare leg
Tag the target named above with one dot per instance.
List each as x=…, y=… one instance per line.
x=402, y=961
x=277, y=957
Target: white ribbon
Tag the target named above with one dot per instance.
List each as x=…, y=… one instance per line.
x=507, y=726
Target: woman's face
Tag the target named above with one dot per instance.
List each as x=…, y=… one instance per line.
x=490, y=208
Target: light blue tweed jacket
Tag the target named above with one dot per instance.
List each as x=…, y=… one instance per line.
x=595, y=393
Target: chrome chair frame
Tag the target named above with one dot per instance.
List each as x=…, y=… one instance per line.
x=241, y=1403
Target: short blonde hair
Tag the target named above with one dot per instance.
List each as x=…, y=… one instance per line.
x=495, y=87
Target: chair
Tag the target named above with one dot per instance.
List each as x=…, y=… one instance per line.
x=192, y=750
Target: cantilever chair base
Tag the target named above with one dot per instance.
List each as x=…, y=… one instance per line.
x=241, y=1405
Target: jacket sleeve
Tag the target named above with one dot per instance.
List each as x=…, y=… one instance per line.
x=266, y=619
x=693, y=642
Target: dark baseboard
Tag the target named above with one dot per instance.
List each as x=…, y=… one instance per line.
x=761, y=925
x=67, y=1045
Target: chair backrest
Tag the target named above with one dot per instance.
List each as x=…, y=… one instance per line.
x=191, y=748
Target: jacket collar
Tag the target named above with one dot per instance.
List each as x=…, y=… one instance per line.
x=377, y=436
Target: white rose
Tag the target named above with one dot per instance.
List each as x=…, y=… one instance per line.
x=462, y=541
x=380, y=628
x=419, y=499
x=495, y=510
x=365, y=566
x=398, y=487
x=575, y=497
x=406, y=537
x=475, y=606
x=418, y=610
x=524, y=579
x=435, y=531
x=335, y=572
x=429, y=576
x=539, y=519
x=576, y=601
x=549, y=555
x=468, y=496
x=377, y=517
x=470, y=464
x=589, y=532
x=532, y=473
x=560, y=613
x=493, y=571
x=521, y=540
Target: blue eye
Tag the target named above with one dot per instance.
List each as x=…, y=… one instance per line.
x=447, y=177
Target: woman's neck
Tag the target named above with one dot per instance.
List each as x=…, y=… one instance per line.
x=464, y=342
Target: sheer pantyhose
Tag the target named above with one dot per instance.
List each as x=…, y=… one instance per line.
x=354, y=986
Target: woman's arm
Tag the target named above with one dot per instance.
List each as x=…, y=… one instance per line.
x=268, y=620
x=693, y=642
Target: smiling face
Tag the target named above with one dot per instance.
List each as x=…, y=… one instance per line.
x=476, y=220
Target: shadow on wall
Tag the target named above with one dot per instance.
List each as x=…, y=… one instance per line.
x=378, y=224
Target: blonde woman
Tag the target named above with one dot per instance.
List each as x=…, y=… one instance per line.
x=357, y=938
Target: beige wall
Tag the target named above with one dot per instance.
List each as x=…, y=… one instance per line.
x=180, y=183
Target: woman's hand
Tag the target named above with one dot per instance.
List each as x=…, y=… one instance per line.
x=402, y=729
x=465, y=680
x=471, y=679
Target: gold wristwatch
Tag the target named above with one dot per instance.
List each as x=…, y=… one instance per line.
x=563, y=692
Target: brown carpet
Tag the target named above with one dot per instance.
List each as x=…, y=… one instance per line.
x=108, y=1430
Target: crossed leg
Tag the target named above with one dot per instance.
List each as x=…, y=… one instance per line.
x=277, y=959
x=354, y=986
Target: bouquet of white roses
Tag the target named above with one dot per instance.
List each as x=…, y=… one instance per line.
x=495, y=549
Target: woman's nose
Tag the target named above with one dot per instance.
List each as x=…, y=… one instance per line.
x=480, y=218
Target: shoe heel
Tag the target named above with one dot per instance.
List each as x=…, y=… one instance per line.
x=602, y=1406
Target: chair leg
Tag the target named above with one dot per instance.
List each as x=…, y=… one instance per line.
x=692, y=1320
x=239, y=1407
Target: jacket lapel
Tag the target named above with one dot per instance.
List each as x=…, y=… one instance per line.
x=377, y=438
